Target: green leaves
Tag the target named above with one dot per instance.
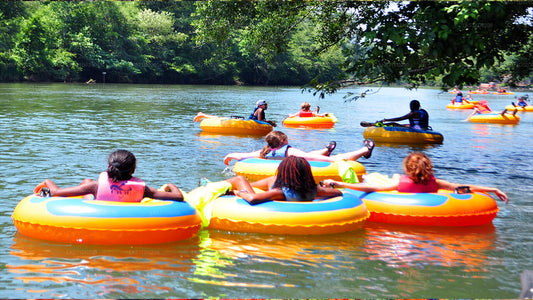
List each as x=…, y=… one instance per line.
x=330, y=44
x=389, y=41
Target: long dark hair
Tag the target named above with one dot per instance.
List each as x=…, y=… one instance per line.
x=121, y=165
x=295, y=173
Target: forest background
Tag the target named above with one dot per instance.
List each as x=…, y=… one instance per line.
x=324, y=45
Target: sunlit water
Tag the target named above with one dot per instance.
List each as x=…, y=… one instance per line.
x=65, y=132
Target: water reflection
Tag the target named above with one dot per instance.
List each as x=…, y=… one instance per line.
x=407, y=250
x=415, y=246
x=242, y=143
x=209, y=135
x=225, y=255
x=480, y=129
x=217, y=257
x=65, y=132
x=104, y=269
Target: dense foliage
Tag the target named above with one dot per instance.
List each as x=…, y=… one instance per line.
x=418, y=42
x=141, y=42
x=326, y=44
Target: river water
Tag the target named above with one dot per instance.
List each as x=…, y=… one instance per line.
x=65, y=132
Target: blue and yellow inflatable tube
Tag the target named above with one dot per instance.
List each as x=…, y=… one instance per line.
x=78, y=220
x=444, y=208
x=258, y=168
x=402, y=135
x=321, y=216
x=235, y=126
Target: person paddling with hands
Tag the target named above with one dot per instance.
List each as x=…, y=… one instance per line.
x=418, y=178
x=459, y=99
x=418, y=118
x=259, y=112
x=521, y=103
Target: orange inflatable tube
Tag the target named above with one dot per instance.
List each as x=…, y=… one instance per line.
x=78, y=220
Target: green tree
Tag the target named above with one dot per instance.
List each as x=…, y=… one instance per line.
x=384, y=42
x=100, y=36
x=11, y=14
x=271, y=42
x=31, y=49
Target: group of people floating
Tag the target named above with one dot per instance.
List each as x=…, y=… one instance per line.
x=418, y=117
x=293, y=180
x=482, y=107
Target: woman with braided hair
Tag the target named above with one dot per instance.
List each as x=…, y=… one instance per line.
x=293, y=182
x=116, y=184
x=418, y=179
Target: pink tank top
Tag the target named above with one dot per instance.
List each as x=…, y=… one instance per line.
x=407, y=185
x=124, y=191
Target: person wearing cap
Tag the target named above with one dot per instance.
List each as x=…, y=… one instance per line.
x=259, y=112
x=459, y=99
x=522, y=102
x=418, y=118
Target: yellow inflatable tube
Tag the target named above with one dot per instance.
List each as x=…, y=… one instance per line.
x=462, y=106
x=235, y=126
x=495, y=118
x=257, y=168
x=338, y=214
x=519, y=108
x=403, y=135
x=327, y=121
x=78, y=220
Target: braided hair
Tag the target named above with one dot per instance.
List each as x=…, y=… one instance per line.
x=294, y=172
x=274, y=140
x=418, y=167
x=121, y=165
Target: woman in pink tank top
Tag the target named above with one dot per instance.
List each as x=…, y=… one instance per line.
x=418, y=179
x=116, y=184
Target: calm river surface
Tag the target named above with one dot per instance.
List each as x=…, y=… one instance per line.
x=65, y=132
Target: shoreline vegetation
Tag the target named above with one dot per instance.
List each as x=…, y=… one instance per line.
x=232, y=43
x=528, y=88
